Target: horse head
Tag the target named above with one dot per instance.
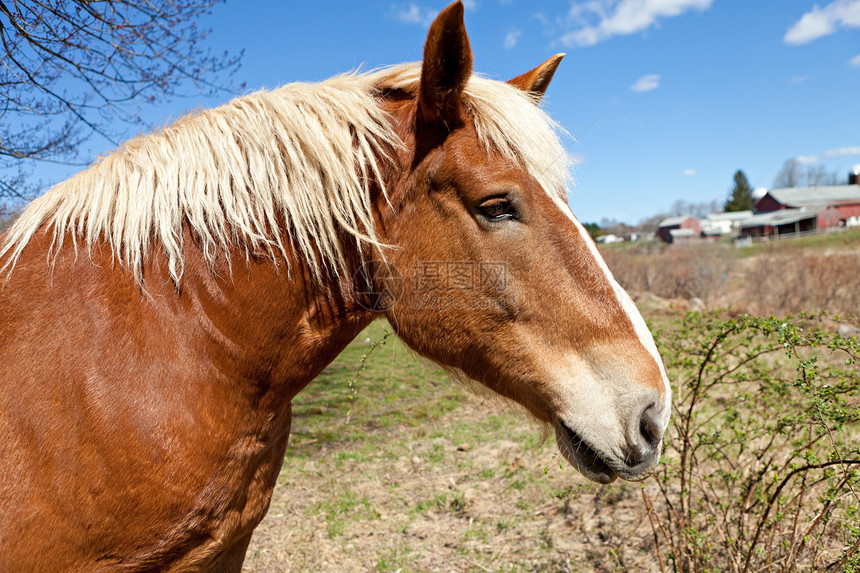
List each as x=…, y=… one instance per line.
x=497, y=281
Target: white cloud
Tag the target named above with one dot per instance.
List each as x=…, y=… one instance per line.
x=646, y=83
x=511, y=39
x=799, y=79
x=806, y=159
x=412, y=13
x=855, y=61
x=820, y=22
x=599, y=20
x=689, y=173
x=843, y=152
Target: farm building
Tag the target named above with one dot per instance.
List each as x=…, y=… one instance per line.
x=678, y=235
x=685, y=226
x=724, y=223
x=799, y=210
x=609, y=239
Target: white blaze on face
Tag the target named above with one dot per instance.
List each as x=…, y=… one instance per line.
x=627, y=305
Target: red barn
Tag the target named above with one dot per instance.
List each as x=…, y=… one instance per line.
x=798, y=209
x=687, y=222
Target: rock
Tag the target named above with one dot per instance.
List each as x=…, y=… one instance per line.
x=649, y=302
x=848, y=330
x=697, y=304
x=647, y=297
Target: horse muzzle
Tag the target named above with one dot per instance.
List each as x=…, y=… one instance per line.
x=633, y=457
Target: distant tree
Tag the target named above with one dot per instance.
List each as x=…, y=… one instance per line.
x=71, y=69
x=652, y=223
x=836, y=178
x=818, y=176
x=7, y=217
x=699, y=210
x=815, y=175
x=740, y=196
x=705, y=208
x=593, y=229
x=679, y=208
x=790, y=175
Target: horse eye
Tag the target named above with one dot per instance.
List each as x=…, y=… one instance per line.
x=497, y=208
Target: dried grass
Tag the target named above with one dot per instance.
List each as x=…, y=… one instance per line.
x=781, y=282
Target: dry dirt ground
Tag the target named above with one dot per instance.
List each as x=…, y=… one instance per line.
x=474, y=490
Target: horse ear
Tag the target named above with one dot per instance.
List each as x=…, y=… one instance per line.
x=446, y=69
x=537, y=80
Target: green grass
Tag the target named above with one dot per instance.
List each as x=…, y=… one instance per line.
x=849, y=239
x=394, y=389
x=345, y=508
x=394, y=559
x=827, y=241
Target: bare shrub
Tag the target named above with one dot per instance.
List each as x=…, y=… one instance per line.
x=787, y=283
x=762, y=463
x=772, y=283
x=679, y=271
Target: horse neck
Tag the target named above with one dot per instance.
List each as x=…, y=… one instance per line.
x=268, y=324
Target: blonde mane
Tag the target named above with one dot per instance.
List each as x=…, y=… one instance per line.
x=303, y=156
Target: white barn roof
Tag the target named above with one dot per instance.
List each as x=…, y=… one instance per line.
x=730, y=216
x=781, y=217
x=809, y=196
x=672, y=221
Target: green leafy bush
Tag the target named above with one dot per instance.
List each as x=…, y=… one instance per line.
x=762, y=463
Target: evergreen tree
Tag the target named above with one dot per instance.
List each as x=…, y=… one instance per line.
x=740, y=198
x=593, y=229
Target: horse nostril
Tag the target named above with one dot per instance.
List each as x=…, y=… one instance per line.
x=648, y=428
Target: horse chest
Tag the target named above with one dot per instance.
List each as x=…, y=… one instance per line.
x=219, y=525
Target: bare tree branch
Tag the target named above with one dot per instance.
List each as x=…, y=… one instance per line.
x=71, y=69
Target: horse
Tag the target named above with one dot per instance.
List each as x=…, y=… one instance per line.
x=162, y=308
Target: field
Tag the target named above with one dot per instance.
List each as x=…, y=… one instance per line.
x=813, y=273
x=393, y=467
x=423, y=475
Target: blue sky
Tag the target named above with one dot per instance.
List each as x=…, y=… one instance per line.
x=664, y=99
